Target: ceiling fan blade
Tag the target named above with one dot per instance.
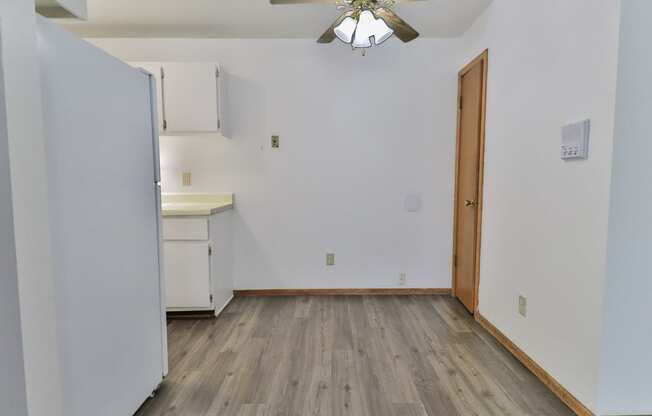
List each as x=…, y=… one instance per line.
x=329, y=35
x=274, y=2
x=401, y=29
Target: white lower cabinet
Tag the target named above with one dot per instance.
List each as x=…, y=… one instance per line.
x=187, y=274
x=197, y=261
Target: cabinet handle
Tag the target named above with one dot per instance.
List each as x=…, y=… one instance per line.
x=217, y=96
x=165, y=121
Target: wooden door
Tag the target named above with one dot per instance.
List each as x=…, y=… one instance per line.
x=468, y=190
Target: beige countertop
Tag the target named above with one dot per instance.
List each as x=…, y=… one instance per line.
x=179, y=205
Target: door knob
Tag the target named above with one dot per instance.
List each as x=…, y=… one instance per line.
x=469, y=203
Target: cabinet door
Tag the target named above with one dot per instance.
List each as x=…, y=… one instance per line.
x=187, y=274
x=190, y=97
x=156, y=69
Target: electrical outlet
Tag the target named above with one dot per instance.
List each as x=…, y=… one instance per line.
x=330, y=259
x=276, y=142
x=402, y=279
x=186, y=178
x=522, y=305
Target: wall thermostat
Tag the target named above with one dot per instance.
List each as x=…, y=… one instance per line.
x=575, y=140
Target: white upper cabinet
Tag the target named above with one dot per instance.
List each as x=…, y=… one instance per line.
x=62, y=8
x=189, y=96
x=190, y=93
x=155, y=69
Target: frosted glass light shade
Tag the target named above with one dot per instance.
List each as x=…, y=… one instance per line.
x=345, y=30
x=364, y=31
x=361, y=42
x=370, y=27
x=382, y=32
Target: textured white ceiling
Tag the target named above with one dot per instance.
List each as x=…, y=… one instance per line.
x=255, y=18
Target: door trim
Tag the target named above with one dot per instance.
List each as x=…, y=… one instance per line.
x=482, y=59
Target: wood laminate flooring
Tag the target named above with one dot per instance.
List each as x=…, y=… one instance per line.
x=344, y=356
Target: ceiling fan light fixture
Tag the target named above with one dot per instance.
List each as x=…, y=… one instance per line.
x=382, y=32
x=345, y=30
x=361, y=32
x=363, y=23
x=364, y=30
x=361, y=42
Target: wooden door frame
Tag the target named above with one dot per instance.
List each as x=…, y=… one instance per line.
x=482, y=59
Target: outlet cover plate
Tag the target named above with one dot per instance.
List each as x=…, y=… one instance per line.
x=186, y=178
x=522, y=306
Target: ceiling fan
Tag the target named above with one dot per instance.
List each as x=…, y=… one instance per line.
x=364, y=23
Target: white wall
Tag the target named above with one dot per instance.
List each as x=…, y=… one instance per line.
x=358, y=134
x=13, y=400
x=26, y=144
x=626, y=385
x=545, y=221
x=348, y=160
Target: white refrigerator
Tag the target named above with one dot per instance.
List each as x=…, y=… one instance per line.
x=103, y=175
